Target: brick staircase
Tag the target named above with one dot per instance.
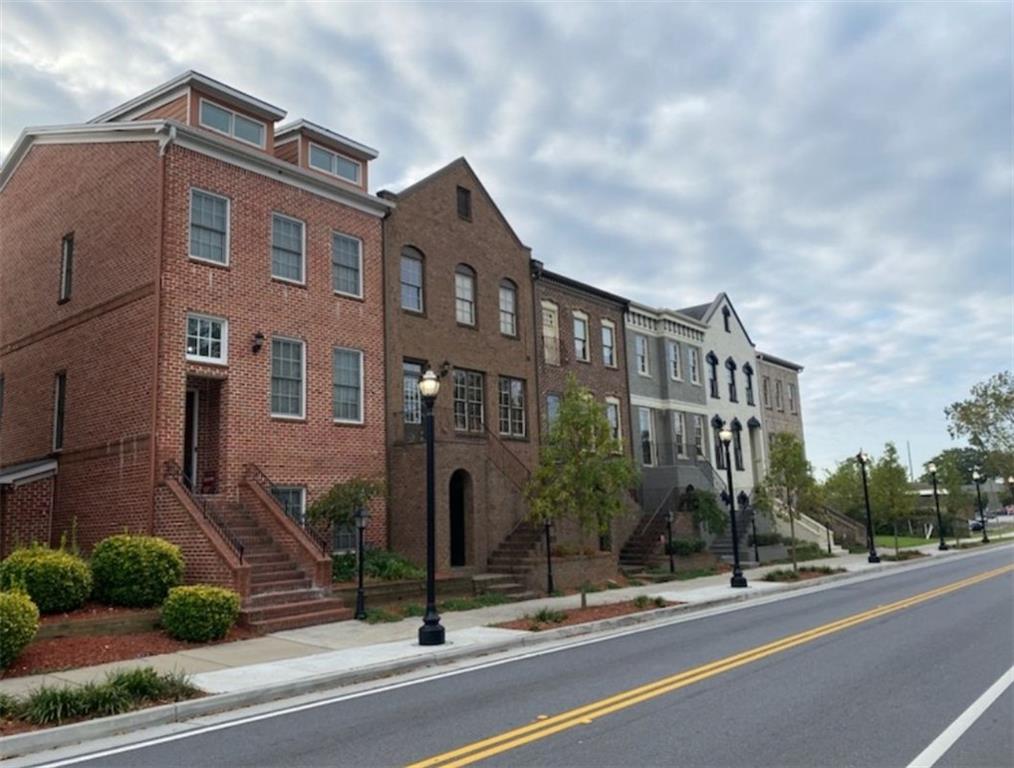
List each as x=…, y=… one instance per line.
x=282, y=595
x=503, y=584
x=517, y=554
x=644, y=549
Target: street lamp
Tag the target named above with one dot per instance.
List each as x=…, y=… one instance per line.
x=361, y=517
x=863, y=460
x=431, y=632
x=548, y=526
x=936, y=502
x=977, y=479
x=1010, y=487
x=668, y=546
x=737, y=580
x=744, y=503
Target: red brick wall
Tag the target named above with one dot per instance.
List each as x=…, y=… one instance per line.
x=25, y=515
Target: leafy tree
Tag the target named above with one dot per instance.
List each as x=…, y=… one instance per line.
x=890, y=493
x=843, y=490
x=790, y=481
x=964, y=459
x=339, y=505
x=986, y=419
x=704, y=509
x=955, y=500
x=583, y=474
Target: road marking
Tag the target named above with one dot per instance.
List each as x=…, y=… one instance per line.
x=929, y=756
x=517, y=737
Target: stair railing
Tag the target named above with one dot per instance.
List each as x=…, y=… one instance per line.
x=254, y=474
x=173, y=471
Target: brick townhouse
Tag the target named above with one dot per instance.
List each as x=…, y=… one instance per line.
x=779, y=382
x=459, y=300
x=192, y=336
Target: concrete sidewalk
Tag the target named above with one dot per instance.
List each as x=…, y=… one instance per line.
x=348, y=646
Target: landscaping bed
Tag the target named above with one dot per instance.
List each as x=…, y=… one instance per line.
x=97, y=619
x=805, y=572
x=548, y=618
x=901, y=556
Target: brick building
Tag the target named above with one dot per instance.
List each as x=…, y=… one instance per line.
x=780, y=407
x=459, y=300
x=191, y=332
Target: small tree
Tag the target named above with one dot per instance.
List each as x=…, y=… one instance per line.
x=956, y=500
x=890, y=491
x=790, y=480
x=986, y=418
x=339, y=505
x=583, y=474
x=842, y=490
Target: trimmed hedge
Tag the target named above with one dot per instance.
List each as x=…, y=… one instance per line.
x=19, y=621
x=136, y=571
x=55, y=580
x=198, y=614
x=377, y=564
x=687, y=547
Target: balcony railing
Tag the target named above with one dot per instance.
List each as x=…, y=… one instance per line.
x=172, y=470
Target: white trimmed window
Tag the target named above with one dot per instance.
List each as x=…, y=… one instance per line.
x=468, y=401
x=331, y=162
x=694, y=359
x=779, y=402
x=464, y=294
x=698, y=437
x=346, y=265
x=411, y=280
x=508, y=308
x=288, y=248
x=209, y=227
x=232, y=124
x=288, y=378
x=581, y=350
x=207, y=339
x=675, y=372
x=641, y=352
x=411, y=375
x=608, y=344
x=613, y=417
x=512, y=407
x=550, y=333
x=679, y=426
x=792, y=398
x=647, y=436
x=293, y=501
x=347, y=368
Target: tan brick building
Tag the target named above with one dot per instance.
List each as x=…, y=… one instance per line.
x=780, y=407
x=459, y=300
x=191, y=331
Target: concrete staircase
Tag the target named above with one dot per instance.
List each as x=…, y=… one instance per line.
x=282, y=595
x=645, y=548
x=503, y=584
x=517, y=554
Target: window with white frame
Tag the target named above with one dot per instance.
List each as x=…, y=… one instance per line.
x=698, y=437
x=347, y=399
x=792, y=398
x=468, y=401
x=346, y=265
x=288, y=248
x=581, y=351
x=766, y=391
x=288, y=378
x=293, y=501
x=209, y=227
x=647, y=429
x=512, y=407
x=411, y=280
x=679, y=426
x=207, y=339
x=608, y=344
x=641, y=353
x=411, y=375
x=694, y=360
x=779, y=402
x=675, y=369
x=551, y=333
x=344, y=538
x=231, y=123
x=331, y=162
x=719, y=450
x=737, y=447
x=615, y=423
x=464, y=294
x=508, y=308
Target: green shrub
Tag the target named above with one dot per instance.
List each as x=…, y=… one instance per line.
x=377, y=564
x=199, y=614
x=102, y=700
x=48, y=704
x=764, y=539
x=687, y=547
x=138, y=683
x=55, y=580
x=644, y=602
x=19, y=621
x=549, y=616
x=10, y=706
x=136, y=571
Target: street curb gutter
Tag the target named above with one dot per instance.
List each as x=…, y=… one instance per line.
x=166, y=714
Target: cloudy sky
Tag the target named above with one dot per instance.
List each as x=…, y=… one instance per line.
x=842, y=170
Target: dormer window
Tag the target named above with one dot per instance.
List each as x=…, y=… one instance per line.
x=726, y=313
x=232, y=124
x=331, y=162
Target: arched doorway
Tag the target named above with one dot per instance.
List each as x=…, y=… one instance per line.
x=460, y=501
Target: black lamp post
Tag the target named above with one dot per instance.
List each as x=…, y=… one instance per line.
x=936, y=503
x=361, y=517
x=668, y=546
x=977, y=479
x=431, y=632
x=863, y=460
x=738, y=579
x=1010, y=487
x=744, y=503
x=548, y=526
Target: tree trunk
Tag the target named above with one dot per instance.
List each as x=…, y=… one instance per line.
x=897, y=550
x=792, y=533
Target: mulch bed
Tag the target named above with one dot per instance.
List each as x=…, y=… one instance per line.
x=580, y=616
x=54, y=654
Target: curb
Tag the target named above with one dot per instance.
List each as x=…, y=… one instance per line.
x=166, y=714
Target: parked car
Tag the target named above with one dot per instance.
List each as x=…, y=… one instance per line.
x=975, y=525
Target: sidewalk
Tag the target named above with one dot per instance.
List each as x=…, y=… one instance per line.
x=351, y=646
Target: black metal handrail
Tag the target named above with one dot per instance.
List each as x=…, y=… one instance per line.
x=172, y=469
x=254, y=474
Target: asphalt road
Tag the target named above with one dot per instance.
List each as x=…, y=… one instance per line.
x=874, y=692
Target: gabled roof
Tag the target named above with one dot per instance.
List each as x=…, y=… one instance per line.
x=459, y=164
x=190, y=77
x=365, y=152
x=704, y=312
x=695, y=312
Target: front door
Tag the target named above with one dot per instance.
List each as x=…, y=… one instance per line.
x=190, y=439
x=459, y=497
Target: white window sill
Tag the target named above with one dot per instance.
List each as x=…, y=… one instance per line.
x=212, y=262
x=208, y=361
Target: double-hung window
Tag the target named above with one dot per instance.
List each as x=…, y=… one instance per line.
x=411, y=280
x=792, y=398
x=512, y=407
x=719, y=450
x=411, y=375
x=464, y=199
x=468, y=401
x=737, y=448
x=232, y=124
x=508, y=308
x=59, y=405
x=288, y=378
x=464, y=294
x=641, y=353
x=748, y=374
x=66, y=267
x=608, y=344
x=713, y=374
x=679, y=426
x=551, y=333
x=346, y=265
x=779, y=402
x=288, y=248
x=730, y=366
x=766, y=391
x=207, y=339
x=581, y=351
x=209, y=227
x=552, y=409
x=347, y=365
x=331, y=162
x=292, y=499
x=613, y=417
x=647, y=436
x=675, y=370
x=694, y=359
x=698, y=437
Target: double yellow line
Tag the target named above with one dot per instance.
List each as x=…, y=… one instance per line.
x=480, y=750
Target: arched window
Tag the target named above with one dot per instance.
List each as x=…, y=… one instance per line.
x=411, y=279
x=748, y=373
x=712, y=359
x=508, y=308
x=730, y=366
x=737, y=443
x=726, y=314
x=464, y=294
